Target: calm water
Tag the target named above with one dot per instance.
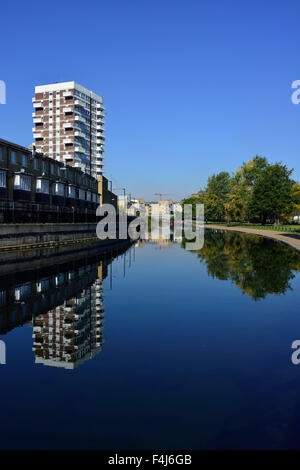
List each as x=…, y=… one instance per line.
x=155, y=348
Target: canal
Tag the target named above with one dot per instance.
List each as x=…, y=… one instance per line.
x=152, y=346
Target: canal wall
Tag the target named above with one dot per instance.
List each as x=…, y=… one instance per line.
x=14, y=236
x=15, y=265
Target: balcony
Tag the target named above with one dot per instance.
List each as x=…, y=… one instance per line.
x=68, y=140
x=68, y=125
x=39, y=104
x=79, y=148
x=68, y=110
x=38, y=135
x=100, y=121
x=68, y=94
x=80, y=119
x=80, y=134
x=79, y=103
x=100, y=106
x=38, y=120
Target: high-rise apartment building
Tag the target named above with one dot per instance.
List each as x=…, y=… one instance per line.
x=69, y=125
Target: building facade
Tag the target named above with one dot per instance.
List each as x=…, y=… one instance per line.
x=162, y=208
x=69, y=125
x=106, y=196
x=35, y=188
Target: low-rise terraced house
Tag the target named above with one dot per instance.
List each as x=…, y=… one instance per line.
x=36, y=188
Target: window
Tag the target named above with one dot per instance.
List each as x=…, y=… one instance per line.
x=42, y=186
x=24, y=160
x=43, y=166
x=13, y=158
x=22, y=292
x=71, y=191
x=81, y=194
x=35, y=164
x=2, y=297
x=52, y=169
x=59, y=189
x=42, y=285
x=88, y=195
x=1, y=154
x=22, y=182
x=2, y=179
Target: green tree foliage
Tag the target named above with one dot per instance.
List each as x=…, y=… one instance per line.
x=272, y=193
x=257, y=191
x=251, y=170
x=217, y=191
x=237, y=200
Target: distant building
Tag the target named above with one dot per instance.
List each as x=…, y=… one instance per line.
x=69, y=125
x=123, y=203
x=162, y=208
x=136, y=206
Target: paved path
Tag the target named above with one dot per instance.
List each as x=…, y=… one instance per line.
x=291, y=239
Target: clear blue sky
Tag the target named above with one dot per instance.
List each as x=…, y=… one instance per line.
x=191, y=87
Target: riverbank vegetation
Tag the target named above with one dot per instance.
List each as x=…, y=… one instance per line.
x=258, y=192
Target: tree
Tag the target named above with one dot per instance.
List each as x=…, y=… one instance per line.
x=236, y=205
x=272, y=193
x=194, y=200
x=296, y=199
x=251, y=170
x=217, y=191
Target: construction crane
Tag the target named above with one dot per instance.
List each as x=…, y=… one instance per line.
x=164, y=194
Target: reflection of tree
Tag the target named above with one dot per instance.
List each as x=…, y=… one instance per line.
x=256, y=265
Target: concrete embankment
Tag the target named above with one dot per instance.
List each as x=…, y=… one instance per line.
x=22, y=236
x=17, y=263
x=290, y=239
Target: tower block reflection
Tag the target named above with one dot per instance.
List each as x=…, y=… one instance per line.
x=71, y=333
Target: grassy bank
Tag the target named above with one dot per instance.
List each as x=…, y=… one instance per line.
x=277, y=228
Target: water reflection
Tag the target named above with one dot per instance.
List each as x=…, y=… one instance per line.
x=64, y=308
x=256, y=265
x=71, y=333
x=163, y=238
